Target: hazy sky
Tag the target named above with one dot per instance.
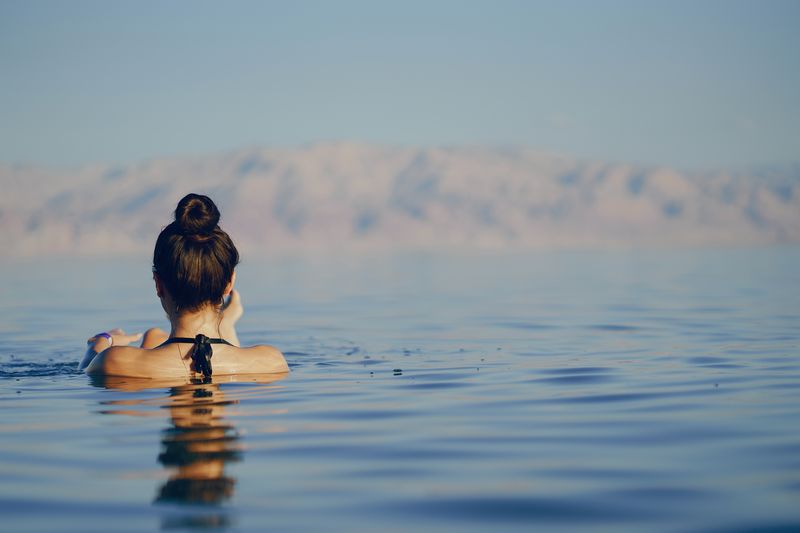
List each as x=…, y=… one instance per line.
x=688, y=84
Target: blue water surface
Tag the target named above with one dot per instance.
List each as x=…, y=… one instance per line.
x=603, y=391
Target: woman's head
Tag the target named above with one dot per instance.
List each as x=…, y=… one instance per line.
x=193, y=258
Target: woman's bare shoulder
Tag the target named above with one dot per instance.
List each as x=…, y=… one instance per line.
x=266, y=359
x=115, y=361
x=133, y=362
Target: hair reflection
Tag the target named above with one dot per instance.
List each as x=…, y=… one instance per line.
x=198, y=446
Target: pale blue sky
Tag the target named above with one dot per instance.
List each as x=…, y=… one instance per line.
x=689, y=84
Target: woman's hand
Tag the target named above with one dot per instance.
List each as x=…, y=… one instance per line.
x=232, y=311
x=118, y=336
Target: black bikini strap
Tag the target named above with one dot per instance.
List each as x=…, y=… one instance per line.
x=189, y=340
x=202, y=352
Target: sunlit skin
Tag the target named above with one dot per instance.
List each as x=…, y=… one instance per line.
x=151, y=360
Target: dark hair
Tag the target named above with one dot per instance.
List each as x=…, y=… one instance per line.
x=193, y=257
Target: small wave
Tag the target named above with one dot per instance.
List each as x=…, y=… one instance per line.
x=574, y=370
x=526, y=325
x=516, y=509
x=575, y=380
x=614, y=327
x=20, y=369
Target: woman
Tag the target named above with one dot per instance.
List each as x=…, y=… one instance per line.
x=193, y=270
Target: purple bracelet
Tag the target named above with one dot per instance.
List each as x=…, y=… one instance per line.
x=108, y=337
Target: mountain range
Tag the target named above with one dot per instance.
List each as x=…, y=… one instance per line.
x=350, y=196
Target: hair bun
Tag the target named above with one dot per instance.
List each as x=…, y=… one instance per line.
x=196, y=214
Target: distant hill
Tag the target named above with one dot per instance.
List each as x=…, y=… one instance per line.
x=350, y=196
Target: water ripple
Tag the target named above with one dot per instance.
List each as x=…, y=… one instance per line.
x=488, y=510
x=20, y=369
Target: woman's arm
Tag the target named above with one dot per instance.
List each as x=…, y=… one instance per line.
x=99, y=343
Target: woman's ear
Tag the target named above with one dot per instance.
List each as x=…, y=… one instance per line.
x=159, y=285
x=229, y=286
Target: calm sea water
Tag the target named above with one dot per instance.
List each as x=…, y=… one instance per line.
x=653, y=391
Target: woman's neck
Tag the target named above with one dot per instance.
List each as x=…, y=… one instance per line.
x=188, y=324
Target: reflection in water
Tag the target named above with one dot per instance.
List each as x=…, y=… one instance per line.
x=198, y=445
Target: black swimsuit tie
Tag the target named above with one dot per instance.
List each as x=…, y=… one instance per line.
x=202, y=352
